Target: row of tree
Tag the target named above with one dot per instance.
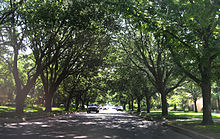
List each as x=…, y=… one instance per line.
x=64, y=38
x=87, y=50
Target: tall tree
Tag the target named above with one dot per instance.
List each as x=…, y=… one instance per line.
x=194, y=43
x=147, y=51
x=14, y=40
x=192, y=26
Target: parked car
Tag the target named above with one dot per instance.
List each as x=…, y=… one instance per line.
x=119, y=108
x=105, y=107
x=92, y=107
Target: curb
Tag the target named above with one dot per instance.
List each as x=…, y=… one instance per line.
x=187, y=132
x=184, y=131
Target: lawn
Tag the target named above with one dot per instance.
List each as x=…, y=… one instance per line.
x=177, y=115
x=193, y=114
x=9, y=111
x=209, y=130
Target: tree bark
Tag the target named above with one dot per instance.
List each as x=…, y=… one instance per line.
x=195, y=105
x=77, y=103
x=48, y=101
x=129, y=105
x=83, y=103
x=164, y=104
x=124, y=106
x=175, y=107
x=68, y=101
x=132, y=104
x=219, y=103
x=20, y=98
x=139, y=105
x=206, y=94
x=148, y=104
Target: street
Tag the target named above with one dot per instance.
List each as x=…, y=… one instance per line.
x=108, y=124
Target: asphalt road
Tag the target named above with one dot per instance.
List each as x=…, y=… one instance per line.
x=108, y=124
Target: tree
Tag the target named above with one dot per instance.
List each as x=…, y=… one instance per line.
x=195, y=92
x=64, y=41
x=194, y=43
x=147, y=51
x=13, y=32
x=191, y=29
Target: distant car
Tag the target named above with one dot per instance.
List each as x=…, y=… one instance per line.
x=119, y=108
x=105, y=108
x=92, y=107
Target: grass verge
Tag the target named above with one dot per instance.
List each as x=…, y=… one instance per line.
x=157, y=115
x=209, y=130
x=193, y=125
x=8, y=112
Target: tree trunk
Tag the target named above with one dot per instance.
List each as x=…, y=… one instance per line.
x=132, y=104
x=175, y=107
x=195, y=105
x=83, y=103
x=148, y=103
x=124, y=106
x=48, y=101
x=77, y=103
x=139, y=105
x=20, y=98
x=218, y=103
x=206, y=94
x=129, y=105
x=68, y=101
x=164, y=104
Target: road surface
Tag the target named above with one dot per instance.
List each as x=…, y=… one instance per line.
x=108, y=124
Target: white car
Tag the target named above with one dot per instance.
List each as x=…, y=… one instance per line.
x=119, y=108
x=93, y=107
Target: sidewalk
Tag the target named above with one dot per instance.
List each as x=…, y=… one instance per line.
x=185, y=131
x=188, y=132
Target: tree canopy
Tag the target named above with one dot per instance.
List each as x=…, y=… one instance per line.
x=128, y=53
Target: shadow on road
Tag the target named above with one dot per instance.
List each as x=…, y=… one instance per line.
x=103, y=125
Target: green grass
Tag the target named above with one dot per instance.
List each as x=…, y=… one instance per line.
x=29, y=111
x=209, y=130
x=58, y=108
x=9, y=111
x=157, y=115
x=212, y=130
x=193, y=114
x=6, y=108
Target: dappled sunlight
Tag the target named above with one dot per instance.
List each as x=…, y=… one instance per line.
x=107, y=137
x=37, y=123
x=62, y=121
x=81, y=137
x=59, y=136
x=89, y=123
x=10, y=126
x=24, y=123
x=188, y=113
x=46, y=125
x=103, y=125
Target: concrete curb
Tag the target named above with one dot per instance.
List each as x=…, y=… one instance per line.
x=187, y=132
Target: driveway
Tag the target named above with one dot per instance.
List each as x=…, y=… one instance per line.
x=108, y=124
